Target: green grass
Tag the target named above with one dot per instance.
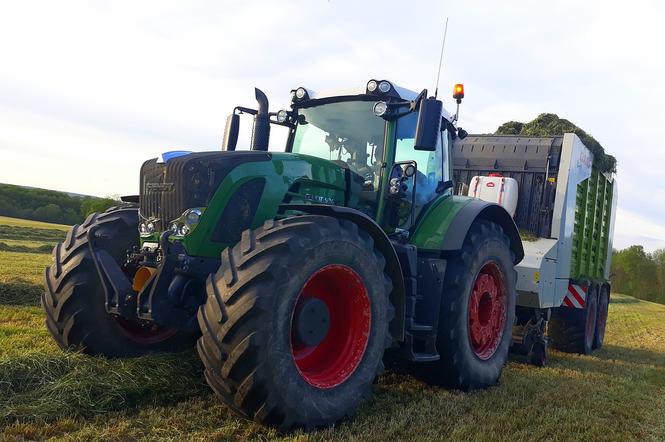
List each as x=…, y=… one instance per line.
x=618, y=393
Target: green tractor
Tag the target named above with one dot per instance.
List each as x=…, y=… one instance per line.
x=296, y=273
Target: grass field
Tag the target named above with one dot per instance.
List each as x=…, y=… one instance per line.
x=616, y=394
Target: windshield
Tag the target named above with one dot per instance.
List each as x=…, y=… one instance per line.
x=347, y=132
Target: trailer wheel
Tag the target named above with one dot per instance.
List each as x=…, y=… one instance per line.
x=296, y=322
x=572, y=330
x=477, y=311
x=538, y=355
x=74, y=299
x=601, y=321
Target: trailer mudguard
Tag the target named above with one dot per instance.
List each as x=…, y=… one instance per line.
x=364, y=222
x=445, y=224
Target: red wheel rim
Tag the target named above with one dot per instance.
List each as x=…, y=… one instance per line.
x=487, y=311
x=145, y=334
x=331, y=362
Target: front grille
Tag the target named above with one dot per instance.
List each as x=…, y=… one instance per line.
x=168, y=189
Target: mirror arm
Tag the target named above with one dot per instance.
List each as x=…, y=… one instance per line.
x=245, y=110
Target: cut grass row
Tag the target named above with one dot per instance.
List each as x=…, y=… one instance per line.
x=17, y=222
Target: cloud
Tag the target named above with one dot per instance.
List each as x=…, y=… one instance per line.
x=632, y=228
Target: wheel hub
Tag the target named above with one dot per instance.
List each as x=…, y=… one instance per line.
x=487, y=311
x=312, y=321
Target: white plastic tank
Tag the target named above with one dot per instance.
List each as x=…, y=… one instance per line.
x=496, y=188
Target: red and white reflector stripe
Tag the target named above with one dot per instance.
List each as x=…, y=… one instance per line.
x=576, y=296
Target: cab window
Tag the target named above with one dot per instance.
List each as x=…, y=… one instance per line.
x=429, y=164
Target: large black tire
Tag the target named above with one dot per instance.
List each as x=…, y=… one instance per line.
x=247, y=343
x=466, y=364
x=74, y=299
x=572, y=330
x=601, y=320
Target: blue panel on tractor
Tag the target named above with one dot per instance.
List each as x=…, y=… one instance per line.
x=166, y=156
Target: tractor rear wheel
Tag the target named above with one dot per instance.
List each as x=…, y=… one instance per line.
x=296, y=322
x=74, y=299
x=572, y=330
x=477, y=311
x=601, y=321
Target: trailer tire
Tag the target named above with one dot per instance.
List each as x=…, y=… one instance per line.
x=465, y=362
x=257, y=358
x=601, y=321
x=572, y=330
x=74, y=299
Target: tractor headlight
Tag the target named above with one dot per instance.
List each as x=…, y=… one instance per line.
x=187, y=222
x=371, y=85
x=146, y=227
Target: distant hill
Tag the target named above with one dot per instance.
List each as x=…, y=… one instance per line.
x=49, y=205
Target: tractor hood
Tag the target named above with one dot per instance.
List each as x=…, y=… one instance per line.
x=180, y=180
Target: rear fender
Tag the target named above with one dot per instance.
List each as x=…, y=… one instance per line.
x=382, y=243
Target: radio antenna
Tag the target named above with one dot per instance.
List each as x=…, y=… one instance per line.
x=443, y=45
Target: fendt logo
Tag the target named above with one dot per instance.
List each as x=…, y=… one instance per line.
x=159, y=187
x=584, y=160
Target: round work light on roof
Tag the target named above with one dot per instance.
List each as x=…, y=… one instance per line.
x=384, y=86
x=300, y=93
x=372, y=85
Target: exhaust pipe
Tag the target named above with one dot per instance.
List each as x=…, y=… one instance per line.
x=261, y=128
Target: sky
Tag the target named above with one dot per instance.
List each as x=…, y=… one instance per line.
x=89, y=90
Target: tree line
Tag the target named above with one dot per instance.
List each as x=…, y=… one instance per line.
x=49, y=205
x=638, y=273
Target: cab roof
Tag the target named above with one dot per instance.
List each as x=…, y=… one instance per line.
x=403, y=93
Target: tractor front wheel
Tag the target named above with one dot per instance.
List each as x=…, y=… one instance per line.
x=74, y=299
x=296, y=322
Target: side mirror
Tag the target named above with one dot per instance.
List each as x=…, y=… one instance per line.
x=429, y=124
x=231, y=132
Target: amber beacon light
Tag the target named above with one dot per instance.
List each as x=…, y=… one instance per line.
x=458, y=92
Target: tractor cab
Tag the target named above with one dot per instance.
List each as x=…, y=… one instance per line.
x=372, y=131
